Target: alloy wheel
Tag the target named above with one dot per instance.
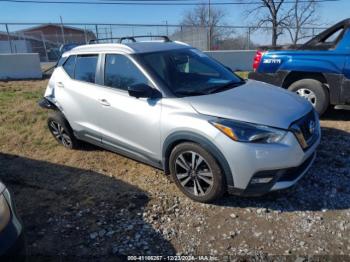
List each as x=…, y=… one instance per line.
x=194, y=173
x=307, y=94
x=60, y=134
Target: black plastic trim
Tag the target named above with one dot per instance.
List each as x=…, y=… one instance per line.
x=47, y=104
x=276, y=79
x=179, y=136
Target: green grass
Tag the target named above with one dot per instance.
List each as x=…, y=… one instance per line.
x=243, y=74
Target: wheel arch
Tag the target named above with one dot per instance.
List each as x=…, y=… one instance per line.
x=294, y=76
x=186, y=136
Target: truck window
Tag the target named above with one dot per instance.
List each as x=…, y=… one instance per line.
x=333, y=37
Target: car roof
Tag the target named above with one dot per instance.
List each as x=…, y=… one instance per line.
x=128, y=48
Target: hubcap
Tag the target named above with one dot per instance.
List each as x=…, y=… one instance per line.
x=60, y=134
x=194, y=173
x=307, y=94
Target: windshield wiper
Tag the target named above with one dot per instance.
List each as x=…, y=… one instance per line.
x=228, y=85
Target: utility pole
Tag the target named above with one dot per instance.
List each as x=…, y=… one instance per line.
x=209, y=26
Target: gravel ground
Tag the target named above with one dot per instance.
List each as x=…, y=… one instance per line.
x=92, y=202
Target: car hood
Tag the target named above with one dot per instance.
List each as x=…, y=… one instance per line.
x=254, y=102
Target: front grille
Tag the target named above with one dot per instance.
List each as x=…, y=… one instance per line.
x=304, y=125
x=306, y=130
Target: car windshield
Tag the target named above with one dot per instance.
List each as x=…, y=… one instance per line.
x=189, y=72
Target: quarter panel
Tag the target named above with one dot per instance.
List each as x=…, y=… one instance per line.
x=77, y=100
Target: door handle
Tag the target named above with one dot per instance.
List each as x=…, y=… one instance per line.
x=60, y=84
x=104, y=102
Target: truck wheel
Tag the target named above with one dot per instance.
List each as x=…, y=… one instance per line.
x=196, y=172
x=313, y=91
x=61, y=130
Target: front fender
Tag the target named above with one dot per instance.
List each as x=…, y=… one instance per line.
x=179, y=136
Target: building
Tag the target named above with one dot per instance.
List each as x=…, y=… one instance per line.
x=44, y=39
x=60, y=34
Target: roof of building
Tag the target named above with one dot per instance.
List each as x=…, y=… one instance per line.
x=129, y=48
x=38, y=27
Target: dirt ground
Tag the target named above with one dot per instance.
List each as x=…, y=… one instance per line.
x=93, y=203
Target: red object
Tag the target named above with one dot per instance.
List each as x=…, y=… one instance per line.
x=257, y=59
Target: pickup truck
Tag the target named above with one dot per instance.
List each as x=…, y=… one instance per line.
x=318, y=70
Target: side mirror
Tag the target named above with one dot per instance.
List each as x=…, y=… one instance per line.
x=141, y=90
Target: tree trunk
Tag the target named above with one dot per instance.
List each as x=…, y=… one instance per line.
x=274, y=36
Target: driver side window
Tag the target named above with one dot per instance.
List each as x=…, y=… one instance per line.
x=121, y=72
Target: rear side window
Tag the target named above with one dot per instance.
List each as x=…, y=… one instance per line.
x=85, y=68
x=69, y=66
x=121, y=72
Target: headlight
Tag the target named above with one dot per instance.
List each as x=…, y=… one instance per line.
x=246, y=132
x=5, y=214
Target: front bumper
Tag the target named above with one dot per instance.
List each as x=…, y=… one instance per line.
x=12, y=243
x=285, y=163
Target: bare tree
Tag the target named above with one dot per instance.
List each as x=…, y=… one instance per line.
x=303, y=15
x=274, y=13
x=201, y=16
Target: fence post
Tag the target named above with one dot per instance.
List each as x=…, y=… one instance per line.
x=9, y=38
x=85, y=35
x=248, y=38
x=44, y=45
x=181, y=33
x=96, y=31
x=62, y=31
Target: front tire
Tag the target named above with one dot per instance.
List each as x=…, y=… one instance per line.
x=313, y=91
x=196, y=172
x=61, y=131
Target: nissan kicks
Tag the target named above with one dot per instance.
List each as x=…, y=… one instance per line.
x=169, y=105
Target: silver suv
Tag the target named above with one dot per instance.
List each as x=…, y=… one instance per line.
x=169, y=105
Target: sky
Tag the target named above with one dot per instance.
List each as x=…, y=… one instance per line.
x=330, y=12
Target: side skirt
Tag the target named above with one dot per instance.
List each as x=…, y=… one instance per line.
x=121, y=151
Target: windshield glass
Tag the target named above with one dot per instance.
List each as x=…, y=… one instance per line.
x=189, y=72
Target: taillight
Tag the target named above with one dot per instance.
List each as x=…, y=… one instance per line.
x=257, y=59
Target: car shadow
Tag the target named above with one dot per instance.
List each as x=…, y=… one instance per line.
x=324, y=187
x=76, y=214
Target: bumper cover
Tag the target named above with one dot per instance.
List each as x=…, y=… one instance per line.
x=282, y=179
x=270, y=78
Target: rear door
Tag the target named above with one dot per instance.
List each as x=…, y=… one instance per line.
x=127, y=123
x=76, y=94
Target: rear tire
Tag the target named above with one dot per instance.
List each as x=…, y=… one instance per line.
x=196, y=172
x=61, y=130
x=314, y=91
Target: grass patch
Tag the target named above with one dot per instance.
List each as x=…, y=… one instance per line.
x=243, y=74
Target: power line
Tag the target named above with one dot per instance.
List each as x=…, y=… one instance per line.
x=149, y=2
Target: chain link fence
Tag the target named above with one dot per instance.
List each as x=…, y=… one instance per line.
x=47, y=39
